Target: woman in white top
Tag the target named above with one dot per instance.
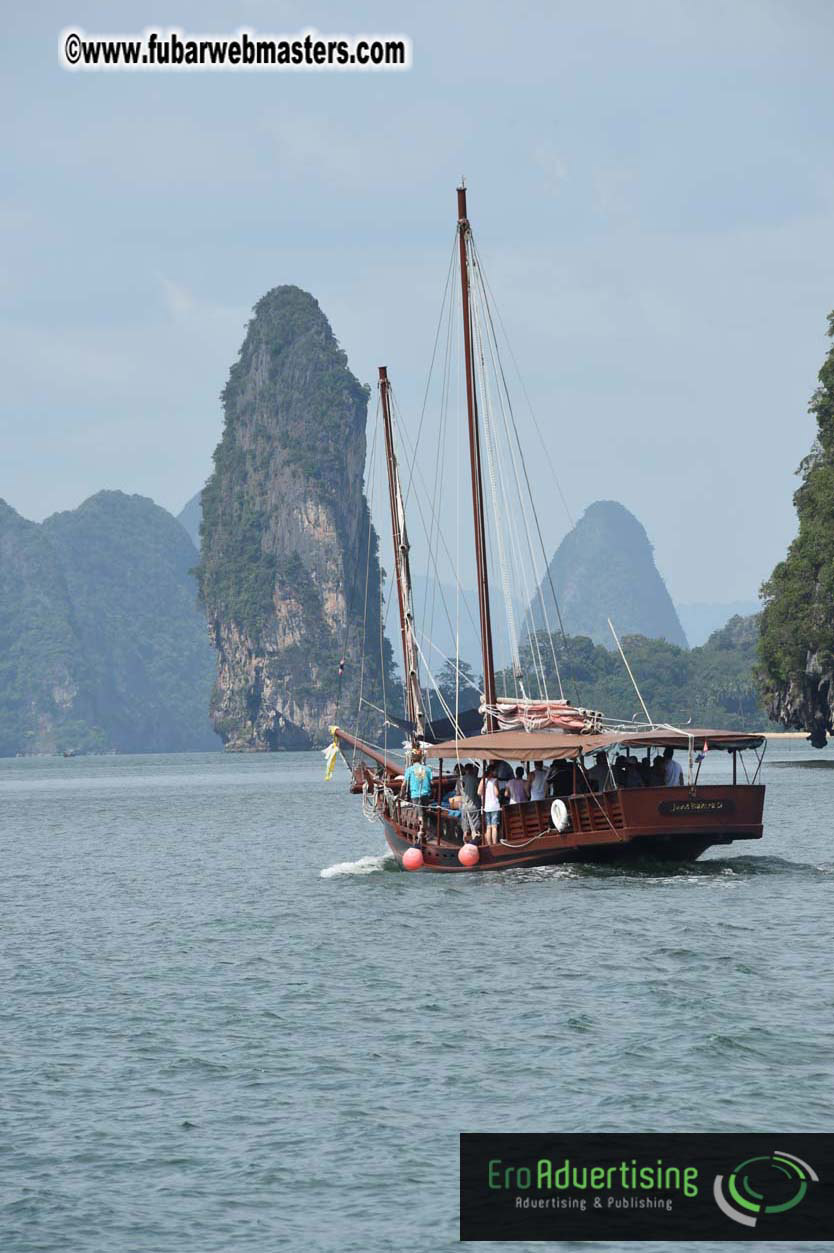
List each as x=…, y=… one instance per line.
x=489, y=794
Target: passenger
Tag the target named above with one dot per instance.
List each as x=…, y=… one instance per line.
x=417, y=783
x=561, y=777
x=488, y=790
x=470, y=809
x=673, y=771
x=633, y=776
x=453, y=782
x=518, y=789
x=620, y=770
x=645, y=765
x=599, y=776
x=658, y=772
x=538, y=782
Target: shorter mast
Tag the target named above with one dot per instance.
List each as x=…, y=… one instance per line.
x=413, y=695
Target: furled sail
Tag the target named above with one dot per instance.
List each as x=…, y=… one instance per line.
x=541, y=715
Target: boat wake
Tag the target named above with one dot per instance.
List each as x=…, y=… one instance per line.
x=744, y=866
x=365, y=865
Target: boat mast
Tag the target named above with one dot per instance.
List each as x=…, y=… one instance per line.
x=464, y=233
x=413, y=695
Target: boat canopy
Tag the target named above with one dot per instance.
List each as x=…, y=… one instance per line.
x=559, y=746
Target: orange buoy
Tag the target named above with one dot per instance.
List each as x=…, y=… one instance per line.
x=468, y=855
x=412, y=859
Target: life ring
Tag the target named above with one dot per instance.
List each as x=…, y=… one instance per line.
x=559, y=815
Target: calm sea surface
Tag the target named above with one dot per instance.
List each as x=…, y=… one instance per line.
x=230, y=1023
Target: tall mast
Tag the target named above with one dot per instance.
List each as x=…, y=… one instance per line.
x=413, y=696
x=464, y=232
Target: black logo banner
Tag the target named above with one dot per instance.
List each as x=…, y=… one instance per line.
x=647, y=1187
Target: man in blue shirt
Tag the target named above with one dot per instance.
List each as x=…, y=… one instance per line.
x=417, y=783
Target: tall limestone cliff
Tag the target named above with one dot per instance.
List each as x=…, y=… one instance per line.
x=604, y=568
x=796, y=644
x=288, y=554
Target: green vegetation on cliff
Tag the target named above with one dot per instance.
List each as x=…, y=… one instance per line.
x=290, y=350
x=797, y=633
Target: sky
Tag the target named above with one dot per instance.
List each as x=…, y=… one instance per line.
x=652, y=190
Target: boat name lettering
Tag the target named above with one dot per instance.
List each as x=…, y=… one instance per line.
x=682, y=808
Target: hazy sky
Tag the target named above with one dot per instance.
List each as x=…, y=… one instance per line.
x=651, y=184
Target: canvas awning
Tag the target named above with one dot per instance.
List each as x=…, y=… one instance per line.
x=559, y=746
x=725, y=740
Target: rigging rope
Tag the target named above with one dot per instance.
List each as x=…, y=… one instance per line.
x=357, y=566
x=515, y=539
x=492, y=470
x=490, y=303
x=365, y=608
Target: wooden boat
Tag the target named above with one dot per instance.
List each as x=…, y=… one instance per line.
x=660, y=823
x=580, y=823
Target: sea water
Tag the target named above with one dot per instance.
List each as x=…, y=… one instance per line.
x=230, y=1022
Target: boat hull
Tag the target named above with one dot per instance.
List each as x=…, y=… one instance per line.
x=620, y=827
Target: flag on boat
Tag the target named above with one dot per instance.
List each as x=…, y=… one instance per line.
x=330, y=754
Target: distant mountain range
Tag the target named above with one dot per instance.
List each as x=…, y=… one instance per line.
x=102, y=645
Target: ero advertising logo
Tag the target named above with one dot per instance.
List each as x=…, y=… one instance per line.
x=771, y=1184
x=647, y=1186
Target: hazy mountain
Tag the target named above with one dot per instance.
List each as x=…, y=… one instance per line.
x=436, y=614
x=44, y=698
x=103, y=646
x=190, y=517
x=604, y=568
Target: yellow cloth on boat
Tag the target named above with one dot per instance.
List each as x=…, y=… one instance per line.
x=330, y=755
